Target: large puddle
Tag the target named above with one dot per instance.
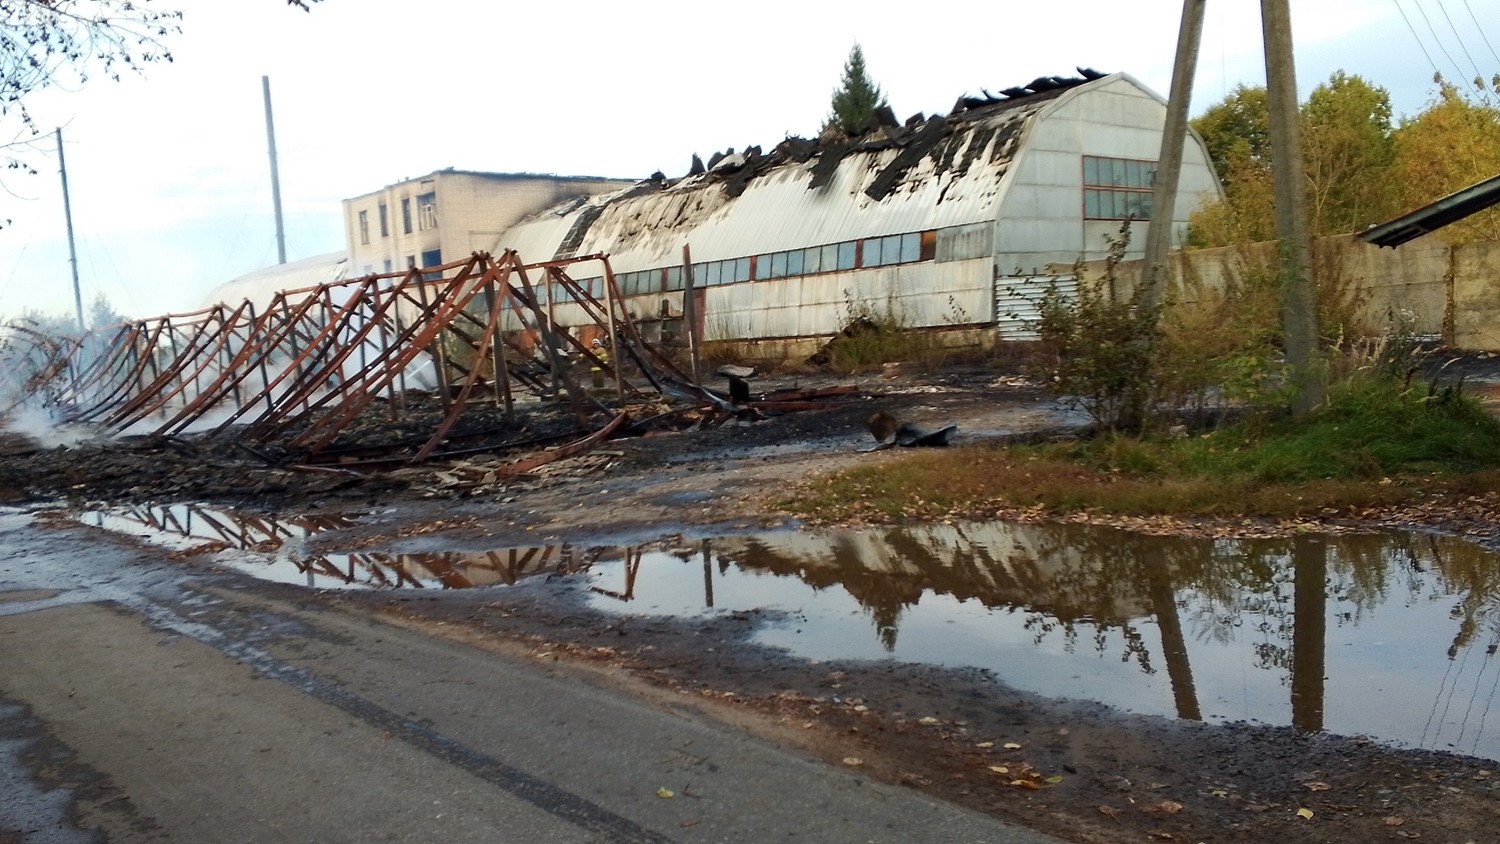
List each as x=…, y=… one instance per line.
x=1393, y=636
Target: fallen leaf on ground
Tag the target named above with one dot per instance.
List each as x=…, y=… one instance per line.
x=1027, y=784
x=664, y=793
x=985, y=744
x=1010, y=745
x=1305, y=814
x=1165, y=807
x=851, y=761
x=1317, y=786
x=928, y=720
x=1000, y=769
x=1054, y=780
x=1111, y=812
x=1393, y=821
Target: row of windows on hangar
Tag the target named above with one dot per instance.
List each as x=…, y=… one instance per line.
x=834, y=257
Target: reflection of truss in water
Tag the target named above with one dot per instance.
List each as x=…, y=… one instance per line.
x=449, y=570
x=209, y=529
x=633, y=557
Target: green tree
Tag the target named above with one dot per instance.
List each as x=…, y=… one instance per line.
x=1238, y=127
x=1236, y=131
x=1452, y=144
x=857, y=97
x=1350, y=154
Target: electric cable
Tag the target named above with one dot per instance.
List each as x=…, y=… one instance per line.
x=1478, y=74
x=1417, y=38
x=1436, y=38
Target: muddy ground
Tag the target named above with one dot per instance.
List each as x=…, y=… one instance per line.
x=1076, y=770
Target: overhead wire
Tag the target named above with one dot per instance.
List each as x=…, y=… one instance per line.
x=1463, y=726
x=1478, y=74
x=1416, y=37
x=1484, y=716
x=1439, y=40
x=1480, y=29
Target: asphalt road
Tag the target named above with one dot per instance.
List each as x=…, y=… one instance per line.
x=146, y=700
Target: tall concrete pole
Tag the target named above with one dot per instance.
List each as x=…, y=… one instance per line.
x=1169, y=161
x=62, y=167
x=1299, y=303
x=265, y=86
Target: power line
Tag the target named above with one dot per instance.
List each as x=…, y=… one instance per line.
x=1480, y=30
x=1478, y=74
x=1433, y=30
x=1417, y=38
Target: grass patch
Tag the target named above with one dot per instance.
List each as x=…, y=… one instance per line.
x=1374, y=445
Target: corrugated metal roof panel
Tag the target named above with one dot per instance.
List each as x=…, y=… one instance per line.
x=957, y=181
x=262, y=285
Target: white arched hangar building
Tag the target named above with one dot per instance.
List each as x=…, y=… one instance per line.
x=923, y=220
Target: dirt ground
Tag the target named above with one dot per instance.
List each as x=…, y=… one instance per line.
x=1079, y=771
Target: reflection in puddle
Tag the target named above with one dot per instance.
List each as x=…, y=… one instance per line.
x=1392, y=636
x=276, y=553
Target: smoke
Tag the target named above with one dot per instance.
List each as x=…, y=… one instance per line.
x=37, y=425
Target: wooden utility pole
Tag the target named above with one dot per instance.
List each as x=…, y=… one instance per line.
x=1169, y=161
x=1299, y=302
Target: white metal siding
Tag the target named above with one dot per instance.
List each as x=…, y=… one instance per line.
x=963, y=242
x=926, y=295
x=1018, y=302
x=1041, y=223
x=261, y=286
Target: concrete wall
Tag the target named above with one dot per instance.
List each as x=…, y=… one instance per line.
x=1476, y=297
x=1425, y=286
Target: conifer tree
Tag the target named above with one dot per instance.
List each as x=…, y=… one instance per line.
x=857, y=97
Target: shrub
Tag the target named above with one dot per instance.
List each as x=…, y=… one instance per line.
x=1099, y=348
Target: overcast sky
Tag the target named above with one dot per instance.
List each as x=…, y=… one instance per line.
x=169, y=173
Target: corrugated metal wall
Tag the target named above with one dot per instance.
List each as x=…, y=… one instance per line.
x=1018, y=302
x=925, y=295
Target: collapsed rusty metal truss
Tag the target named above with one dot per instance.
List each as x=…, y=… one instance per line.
x=299, y=371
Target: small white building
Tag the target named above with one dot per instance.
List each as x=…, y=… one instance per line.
x=927, y=219
x=444, y=216
x=447, y=215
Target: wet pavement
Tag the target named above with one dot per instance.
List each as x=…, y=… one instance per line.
x=146, y=698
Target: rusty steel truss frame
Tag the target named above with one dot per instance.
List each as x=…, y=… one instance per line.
x=300, y=370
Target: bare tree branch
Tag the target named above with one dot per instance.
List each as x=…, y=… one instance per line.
x=60, y=43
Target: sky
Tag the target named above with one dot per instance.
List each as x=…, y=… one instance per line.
x=169, y=175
